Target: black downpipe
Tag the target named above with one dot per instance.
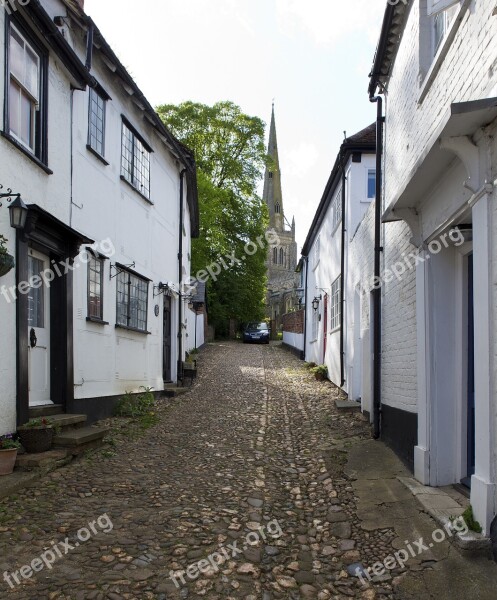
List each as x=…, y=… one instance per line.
x=378, y=249
x=342, y=277
x=306, y=259
x=180, y=276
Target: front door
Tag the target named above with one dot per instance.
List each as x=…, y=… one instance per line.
x=38, y=332
x=166, y=355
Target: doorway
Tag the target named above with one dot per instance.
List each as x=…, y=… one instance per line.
x=38, y=332
x=470, y=419
x=167, y=341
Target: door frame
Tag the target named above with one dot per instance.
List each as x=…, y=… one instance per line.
x=167, y=299
x=48, y=235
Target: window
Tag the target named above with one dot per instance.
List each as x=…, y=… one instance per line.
x=275, y=256
x=95, y=289
x=371, y=184
x=26, y=104
x=336, y=208
x=36, y=295
x=317, y=251
x=277, y=209
x=335, y=306
x=135, y=168
x=282, y=256
x=132, y=301
x=440, y=26
x=270, y=175
x=96, y=123
x=315, y=324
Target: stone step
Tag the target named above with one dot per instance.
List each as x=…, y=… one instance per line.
x=347, y=406
x=80, y=437
x=46, y=410
x=174, y=392
x=42, y=460
x=68, y=420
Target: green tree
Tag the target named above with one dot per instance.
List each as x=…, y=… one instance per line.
x=230, y=154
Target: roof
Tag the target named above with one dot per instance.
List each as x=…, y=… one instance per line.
x=386, y=51
x=363, y=141
x=178, y=149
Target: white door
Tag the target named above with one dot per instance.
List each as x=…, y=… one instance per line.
x=38, y=332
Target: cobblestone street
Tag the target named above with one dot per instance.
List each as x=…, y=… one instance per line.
x=250, y=473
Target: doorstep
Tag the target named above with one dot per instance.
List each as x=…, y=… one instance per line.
x=347, y=406
x=441, y=506
x=10, y=484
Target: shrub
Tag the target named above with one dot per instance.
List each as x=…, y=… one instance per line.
x=135, y=405
x=310, y=365
x=470, y=520
x=320, y=371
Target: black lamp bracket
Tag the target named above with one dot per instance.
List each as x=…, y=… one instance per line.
x=120, y=269
x=8, y=195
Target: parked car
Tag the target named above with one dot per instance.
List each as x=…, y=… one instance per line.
x=258, y=333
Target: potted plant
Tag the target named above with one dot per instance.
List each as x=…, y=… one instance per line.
x=320, y=372
x=7, y=262
x=8, y=453
x=37, y=435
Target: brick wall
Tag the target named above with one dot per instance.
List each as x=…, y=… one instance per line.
x=293, y=322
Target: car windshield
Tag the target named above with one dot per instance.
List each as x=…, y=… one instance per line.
x=257, y=327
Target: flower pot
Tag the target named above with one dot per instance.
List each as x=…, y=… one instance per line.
x=7, y=263
x=36, y=439
x=7, y=461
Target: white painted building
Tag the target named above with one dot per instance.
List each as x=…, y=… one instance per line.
x=435, y=67
x=97, y=169
x=332, y=318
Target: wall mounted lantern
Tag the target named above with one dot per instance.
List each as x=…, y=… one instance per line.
x=18, y=210
x=316, y=301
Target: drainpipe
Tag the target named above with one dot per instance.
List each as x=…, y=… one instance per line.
x=180, y=275
x=378, y=249
x=306, y=260
x=342, y=277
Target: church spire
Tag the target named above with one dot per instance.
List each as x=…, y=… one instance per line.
x=273, y=195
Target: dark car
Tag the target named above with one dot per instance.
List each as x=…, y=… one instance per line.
x=257, y=333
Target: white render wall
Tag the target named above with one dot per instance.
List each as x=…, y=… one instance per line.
x=51, y=192
x=295, y=340
x=324, y=274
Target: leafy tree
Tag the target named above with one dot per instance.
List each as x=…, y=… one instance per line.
x=230, y=154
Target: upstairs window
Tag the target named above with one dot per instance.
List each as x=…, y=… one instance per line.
x=282, y=256
x=441, y=13
x=135, y=166
x=96, y=122
x=371, y=184
x=277, y=209
x=26, y=103
x=275, y=256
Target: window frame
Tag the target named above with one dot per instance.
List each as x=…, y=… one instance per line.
x=125, y=123
x=369, y=173
x=123, y=270
x=99, y=92
x=39, y=153
x=335, y=304
x=90, y=317
x=336, y=210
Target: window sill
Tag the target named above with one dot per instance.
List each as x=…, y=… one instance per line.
x=26, y=152
x=133, y=329
x=97, y=321
x=97, y=155
x=442, y=52
x=136, y=190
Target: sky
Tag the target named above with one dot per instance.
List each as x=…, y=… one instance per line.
x=311, y=57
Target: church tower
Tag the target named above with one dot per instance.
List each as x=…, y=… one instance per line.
x=282, y=258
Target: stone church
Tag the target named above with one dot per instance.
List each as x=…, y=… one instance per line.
x=283, y=280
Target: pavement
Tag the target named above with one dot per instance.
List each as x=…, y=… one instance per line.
x=251, y=486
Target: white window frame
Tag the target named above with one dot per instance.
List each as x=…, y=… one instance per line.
x=35, y=101
x=335, y=304
x=132, y=166
x=369, y=172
